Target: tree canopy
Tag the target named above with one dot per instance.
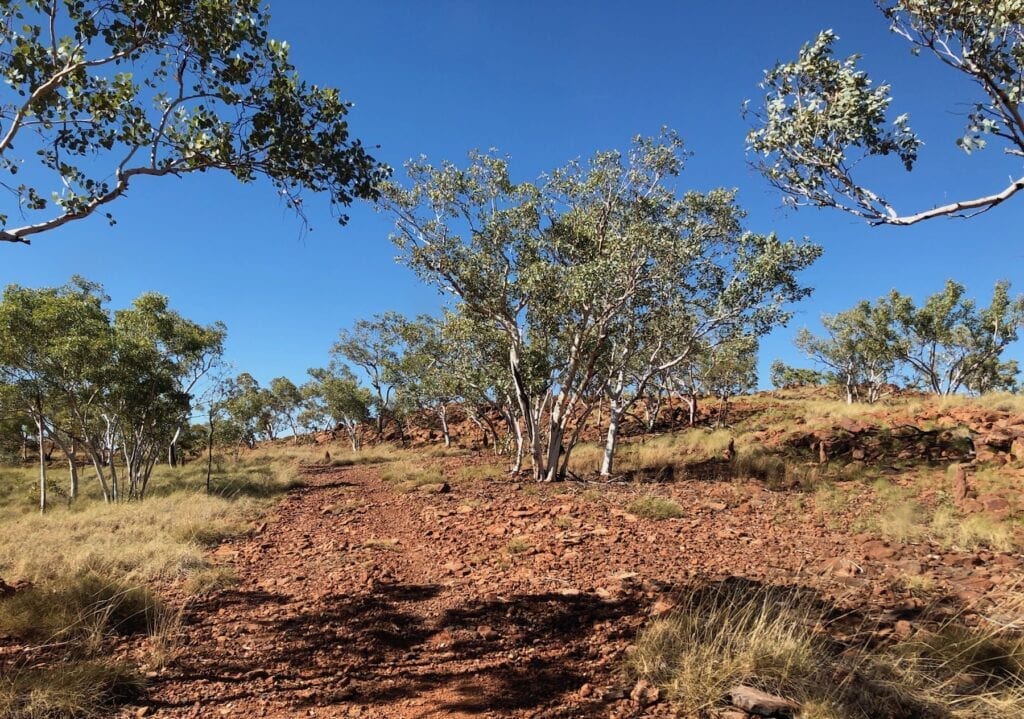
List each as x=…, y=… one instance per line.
x=100, y=92
x=822, y=116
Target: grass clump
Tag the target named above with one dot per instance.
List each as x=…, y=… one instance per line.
x=374, y=454
x=210, y=580
x=899, y=514
x=518, y=545
x=69, y=690
x=158, y=538
x=384, y=545
x=657, y=508
x=777, y=639
x=480, y=472
x=408, y=476
x=85, y=608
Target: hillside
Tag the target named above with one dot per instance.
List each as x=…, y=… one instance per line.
x=857, y=561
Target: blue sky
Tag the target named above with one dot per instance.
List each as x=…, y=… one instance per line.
x=544, y=82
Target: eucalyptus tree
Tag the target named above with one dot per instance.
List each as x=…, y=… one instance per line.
x=248, y=407
x=859, y=349
x=427, y=374
x=52, y=350
x=374, y=346
x=334, y=392
x=949, y=343
x=730, y=369
x=479, y=364
x=548, y=264
x=822, y=117
x=707, y=281
x=559, y=266
x=782, y=375
x=98, y=93
x=285, y=403
x=160, y=358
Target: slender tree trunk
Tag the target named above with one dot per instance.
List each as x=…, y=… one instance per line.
x=516, y=429
x=209, y=454
x=442, y=412
x=172, y=449
x=611, y=439
x=69, y=455
x=42, y=465
x=97, y=463
x=352, y=429
x=556, y=433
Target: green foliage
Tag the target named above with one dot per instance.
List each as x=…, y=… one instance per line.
x=946, y=345
x=860, y=349
x=373, y=346
x=949, y=343
x=822, y=116
x=112, y=383
x=335, y=393
x=576, y=270
x=99, y=93
x=782, y=375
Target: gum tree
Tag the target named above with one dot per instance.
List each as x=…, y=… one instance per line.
x=335, y=392
x=558, y=266
x=99, y=93
x=949, y=343
x=52, y=356
x=821, y=116
x=860, y=349
x=707, y=280
x=373, y=346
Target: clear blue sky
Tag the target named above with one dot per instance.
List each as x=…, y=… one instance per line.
x=544, y=82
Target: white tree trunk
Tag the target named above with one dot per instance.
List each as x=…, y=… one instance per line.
x=442, y=412
x=42, y=467
x=611, y=439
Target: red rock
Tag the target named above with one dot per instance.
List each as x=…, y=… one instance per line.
x=761, y=703
x=487, y=633
x=878, y=549
x=644, y=693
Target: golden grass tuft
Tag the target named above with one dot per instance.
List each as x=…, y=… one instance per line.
x=657, y=508
x=70, y=690
x=777, y=639
x=408, y=476
x=87, y=608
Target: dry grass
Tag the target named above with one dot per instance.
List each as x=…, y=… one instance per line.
x=481, y=472
x=897, y=512
x=79, y=689
x=162, y=537
x=90, y=564
x=374, y=454
x=518, y=545
x=408, y=476
x=84, y=608
x=210, y=580
x=657, y=508
x=383, y=544
x=778, y=640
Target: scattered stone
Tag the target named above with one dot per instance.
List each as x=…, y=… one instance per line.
x=762, y=703
x=435, y=488
x=961, y=487
x=644, y=693
x=488, y=634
